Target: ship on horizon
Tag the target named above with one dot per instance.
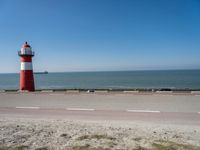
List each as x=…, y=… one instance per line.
x=45, y=72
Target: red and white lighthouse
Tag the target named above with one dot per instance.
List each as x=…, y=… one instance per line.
x=26, y=72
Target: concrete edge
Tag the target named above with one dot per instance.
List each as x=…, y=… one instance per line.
x=131, y=91
x=161, y=92
x=195, y=92
x=76, y=91
x=72, y=91
x=46, y=91
x=100, y=91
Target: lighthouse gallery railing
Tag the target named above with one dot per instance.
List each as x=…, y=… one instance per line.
x=20, y=53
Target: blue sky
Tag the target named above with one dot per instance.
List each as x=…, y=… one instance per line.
x=101, y=35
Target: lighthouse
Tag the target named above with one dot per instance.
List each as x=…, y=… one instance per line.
x=26, y=70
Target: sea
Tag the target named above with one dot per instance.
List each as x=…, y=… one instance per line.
x=157, y=79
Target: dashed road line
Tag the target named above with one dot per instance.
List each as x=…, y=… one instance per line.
x=57, y=94
x=27, y=107
x=91, y=109
x=143, y=111
x=80, y=109
x=162, y=95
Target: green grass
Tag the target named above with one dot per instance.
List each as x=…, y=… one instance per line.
x=3, y=148
x=137, y=139
x=42, y=148
x=22, y=147
x=173, y=146
x=159, y=145
x=87, y=147
x=63, y=135
x=140, y=148
x=96, y=136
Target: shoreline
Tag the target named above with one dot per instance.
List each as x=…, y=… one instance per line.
x=109, y=89
x=195, y=92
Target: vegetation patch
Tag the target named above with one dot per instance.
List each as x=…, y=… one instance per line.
x=137, y=139
x=173, y=146
x=3, y=148
x=96, y=136
x=64, y=135
x=42, y=148
x=87, y=147
x=22, y=147
x=140, y=148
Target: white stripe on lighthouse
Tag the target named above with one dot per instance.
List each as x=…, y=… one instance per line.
x=26, y=66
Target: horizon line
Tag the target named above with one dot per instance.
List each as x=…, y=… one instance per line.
x=106, y=71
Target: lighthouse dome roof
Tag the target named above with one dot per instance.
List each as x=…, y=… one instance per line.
x=25, y=45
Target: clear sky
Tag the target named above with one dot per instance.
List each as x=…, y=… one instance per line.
x=101, y=35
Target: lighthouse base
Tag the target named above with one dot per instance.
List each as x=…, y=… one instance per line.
x=27, y=80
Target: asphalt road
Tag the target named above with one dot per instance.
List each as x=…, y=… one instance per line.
x=154, y=108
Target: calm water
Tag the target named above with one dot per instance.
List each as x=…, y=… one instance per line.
x=115, y=80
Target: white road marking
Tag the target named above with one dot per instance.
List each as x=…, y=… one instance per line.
x=80, y=109
x=28, y=107
x=57, y=94
x=162, y=95
x=143, y=111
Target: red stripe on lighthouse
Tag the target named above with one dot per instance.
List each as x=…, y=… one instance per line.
x=27, y=80
x=26, y=59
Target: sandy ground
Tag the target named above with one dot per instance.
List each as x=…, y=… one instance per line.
x=54, y=134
